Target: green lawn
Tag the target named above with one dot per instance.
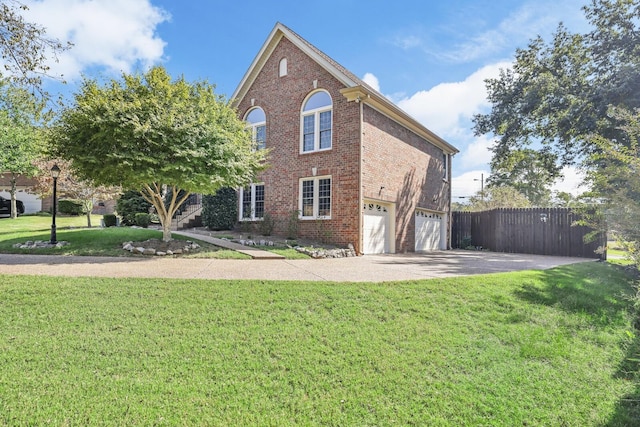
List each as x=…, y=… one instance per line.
x=533, y=348
x=88, y=241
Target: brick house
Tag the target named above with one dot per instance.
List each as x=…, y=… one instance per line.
x=346, y=164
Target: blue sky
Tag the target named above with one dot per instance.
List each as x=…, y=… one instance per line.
x=429, y=57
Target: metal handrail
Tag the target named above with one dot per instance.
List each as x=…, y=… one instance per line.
x=190, y=208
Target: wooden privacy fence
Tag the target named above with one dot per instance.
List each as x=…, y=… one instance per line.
x=542, y=231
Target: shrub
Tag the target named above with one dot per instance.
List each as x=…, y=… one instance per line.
x=142, y=219
x=109, y=220
x=267, y=224
x=129, y=204
x=220, y=211
x=293, y=224
x=246, y=227
x=70, y=207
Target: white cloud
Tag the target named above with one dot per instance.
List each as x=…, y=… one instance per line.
x=572, y=181
x=372, y=81
x=475, y=154
x=467, y=184
x=443, y=107
x=539, y=17
x=523, y=24
x=117, y=35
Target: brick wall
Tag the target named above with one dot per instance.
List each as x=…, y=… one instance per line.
x=21, y=181
x=398, y=167
x=402, y=168
x=281, y=98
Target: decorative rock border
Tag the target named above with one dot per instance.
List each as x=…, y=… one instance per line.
x=40, y=244
x=327, y=253
x=317, y=253
x=146, y=248
x=249, y=242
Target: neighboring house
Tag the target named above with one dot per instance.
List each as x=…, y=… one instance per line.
x=345, y=162
x=32, y=202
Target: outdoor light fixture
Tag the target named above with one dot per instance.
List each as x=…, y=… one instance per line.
x=55, y=173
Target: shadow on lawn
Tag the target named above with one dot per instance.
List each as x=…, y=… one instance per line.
x=627, y=411
x=605, y=300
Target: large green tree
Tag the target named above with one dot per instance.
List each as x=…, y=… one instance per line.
x=557, y=94
x=150, y=133
x=528, y=171
x=21, y=134
x=557, y=98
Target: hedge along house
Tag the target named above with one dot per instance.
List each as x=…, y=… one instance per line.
x=347, y=166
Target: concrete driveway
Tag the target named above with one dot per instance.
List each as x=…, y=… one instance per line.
x=370, y=268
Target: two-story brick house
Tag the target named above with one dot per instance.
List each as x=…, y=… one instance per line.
x=346, y=163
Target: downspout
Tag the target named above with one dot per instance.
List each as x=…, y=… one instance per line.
x=360, y=180
x=450, y=225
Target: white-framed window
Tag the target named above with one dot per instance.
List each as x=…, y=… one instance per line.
x=282, y=68
x=251, y=202
x=316, y=123
x=257, y=123
x=315, y=197
x=445, y=167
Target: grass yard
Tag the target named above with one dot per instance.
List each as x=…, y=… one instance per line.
x=84, y=241
x=533, y=348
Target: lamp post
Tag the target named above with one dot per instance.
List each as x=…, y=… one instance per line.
x=55, y=172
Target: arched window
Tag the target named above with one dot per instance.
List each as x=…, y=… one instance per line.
x=257, y=122
x=316, y=121
x=283, y=67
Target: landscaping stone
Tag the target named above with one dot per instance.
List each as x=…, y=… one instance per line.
x=160, y=248
x=320, y=253
x=40, y=244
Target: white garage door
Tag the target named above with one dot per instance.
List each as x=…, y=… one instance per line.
x=429, y=226
x=375, y=229
x=32, y=202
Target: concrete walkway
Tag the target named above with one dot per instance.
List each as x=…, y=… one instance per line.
x=370, y=268
x=252, y=251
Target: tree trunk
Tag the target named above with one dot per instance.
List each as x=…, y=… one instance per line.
x=166, y=230
x=12, y=191
x=88, y=208
x=154, y=195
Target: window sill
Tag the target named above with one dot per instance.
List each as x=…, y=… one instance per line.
x=316, y=151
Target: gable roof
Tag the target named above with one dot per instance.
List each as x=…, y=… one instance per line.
x=355, y=88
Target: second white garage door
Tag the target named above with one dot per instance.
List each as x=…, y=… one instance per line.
x=375, y=229
x=429, y=227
